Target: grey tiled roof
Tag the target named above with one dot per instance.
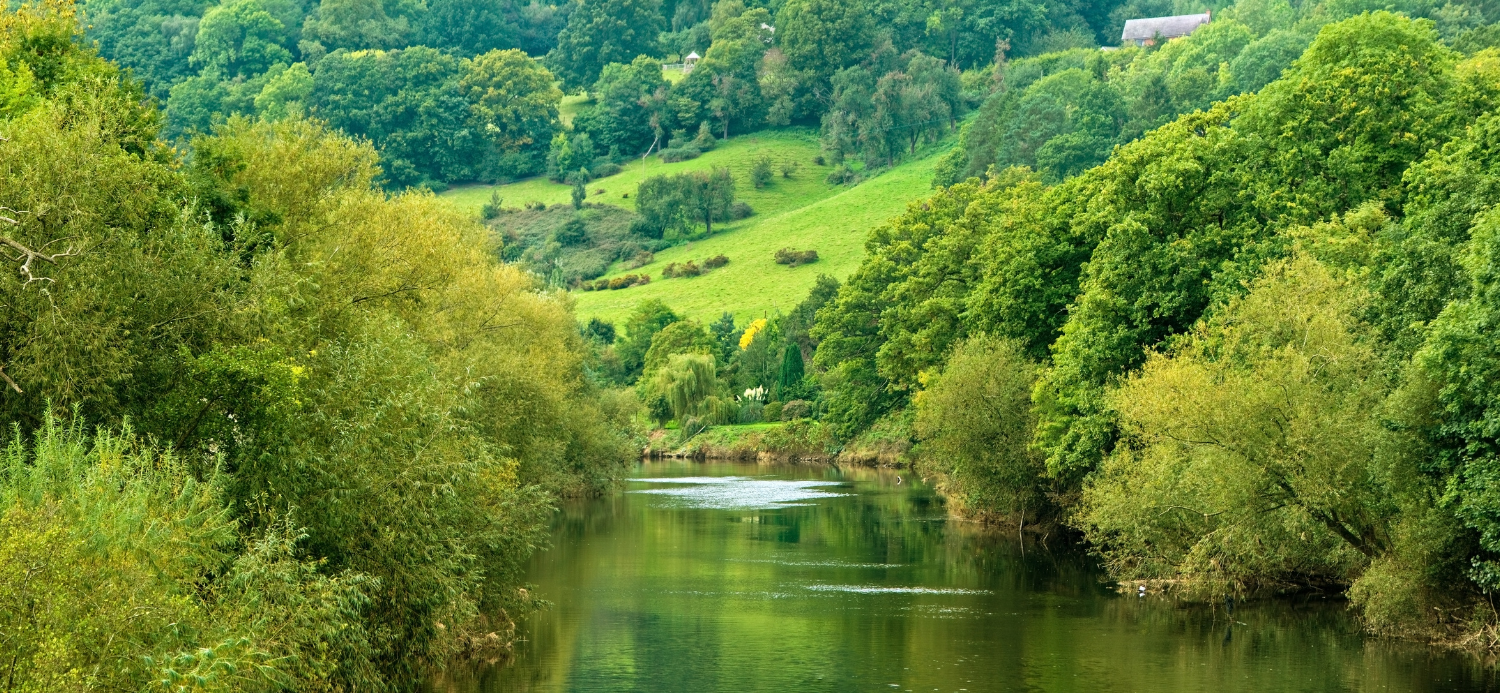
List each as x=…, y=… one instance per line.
x=1166, y=27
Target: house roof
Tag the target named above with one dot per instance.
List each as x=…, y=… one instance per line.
x=1166, y=27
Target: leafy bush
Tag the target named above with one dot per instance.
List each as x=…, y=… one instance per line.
x=716, y=261
x=975, y=425
x=492, y=208
x=788, y=256
x=771, y=411
x=788, y=167
x=705, y=140
x=760, y=171
x=740, y=210
x=686, y=269
x=640, y=259
x=605, y=169
x=751, y=411
x=796, y=409
x=842, y=175
x=674, y=155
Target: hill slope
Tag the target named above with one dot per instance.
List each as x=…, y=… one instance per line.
x=802, y=212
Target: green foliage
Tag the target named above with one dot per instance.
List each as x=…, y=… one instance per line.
x=1253, y=452
x=888, y=105
x=437, y=118
x=649, y=318
x=629, y=111
x=239, y=39
x=1259, y=330
x=681, y=337
x=313, y=352
x=670, y=205
x=975, y=424
x=601, y=32
x=688, y=382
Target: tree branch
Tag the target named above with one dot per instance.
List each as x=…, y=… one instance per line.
x=8, y=381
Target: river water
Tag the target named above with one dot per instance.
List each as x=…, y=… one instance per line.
x=737, y=577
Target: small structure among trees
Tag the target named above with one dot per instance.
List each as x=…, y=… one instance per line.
x=1145, y=32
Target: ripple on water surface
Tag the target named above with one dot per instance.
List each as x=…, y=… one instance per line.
x=739, y=492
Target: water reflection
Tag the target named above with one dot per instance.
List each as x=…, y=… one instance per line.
x=808, y=579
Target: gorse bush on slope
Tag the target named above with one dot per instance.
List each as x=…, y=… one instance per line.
x=308, y=429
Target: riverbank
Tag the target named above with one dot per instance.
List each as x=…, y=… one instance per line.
x=794, y=442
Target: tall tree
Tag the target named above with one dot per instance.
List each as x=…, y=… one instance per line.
x=820, y=37
x=601, y=32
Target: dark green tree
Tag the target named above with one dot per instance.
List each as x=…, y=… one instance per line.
x=601, y=32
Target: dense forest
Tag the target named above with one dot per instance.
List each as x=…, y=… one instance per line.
x=268, y=426
x=1252, y=350
x=454, y=91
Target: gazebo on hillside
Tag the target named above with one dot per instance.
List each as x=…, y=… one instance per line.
x=690, y=62
x=1145, y=32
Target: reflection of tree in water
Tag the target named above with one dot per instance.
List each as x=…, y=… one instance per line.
x=658, y=598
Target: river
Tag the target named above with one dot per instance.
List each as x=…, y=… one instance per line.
x=737, y=577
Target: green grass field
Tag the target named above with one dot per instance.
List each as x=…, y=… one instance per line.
x=803, y=212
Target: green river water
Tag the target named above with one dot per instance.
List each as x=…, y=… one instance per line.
x=737, y=577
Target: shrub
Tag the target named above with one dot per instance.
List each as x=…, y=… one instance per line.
x=579, y=192
x=740, y=210
x=641, y=258
x=624, y=281
x=686, y=269
x=819, y=160
x=975, y=424
x=841, y=175
x=676, y=154
x=796, y=409
x=491, y=209
x=606, y=169
x=572, y=233
x=641, y=226
x=751, y=411
x=771, y=412
x=705, y=139
x=788, y=256
x=760, y=171
x=788, y=167
x=716, y=261
x=536, y=205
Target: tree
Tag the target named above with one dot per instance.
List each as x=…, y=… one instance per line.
x=286, y=93
x=1256, y=448
x=820, y=37
x=469, y=27
x=648, y=318
x=514, y=102
x=790, y=378
x=688, y=381
x=708, y=196
x=975, y=425
x=681, y=337
x=601, y=32
x=629, y=106
x=355, y=25
x=239, y=39
x=568, y=155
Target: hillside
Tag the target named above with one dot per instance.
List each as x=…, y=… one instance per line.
x=802, y=212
